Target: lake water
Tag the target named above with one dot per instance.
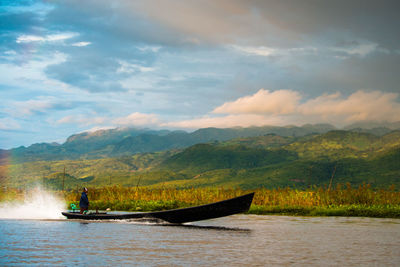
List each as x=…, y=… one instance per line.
x=240, y=240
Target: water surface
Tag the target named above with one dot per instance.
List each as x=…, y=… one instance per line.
x=240, y=240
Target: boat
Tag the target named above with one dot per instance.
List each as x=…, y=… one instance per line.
x=198, y=213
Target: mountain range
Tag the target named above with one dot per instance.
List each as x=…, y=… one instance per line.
x=128, y=141
x=235, y=157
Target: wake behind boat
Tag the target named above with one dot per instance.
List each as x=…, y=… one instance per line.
x=197, y=213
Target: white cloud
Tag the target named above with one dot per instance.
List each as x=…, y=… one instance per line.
x=30, y=75
x=82, y=120
x=47, y=38
x=259, y=51
x=359, y=50
x=27, y=108
x=138, y=119
x=147, y=48
x=98, y=128
x=283, y=107
x=81, y=44
x=262, y=102
x=9, y=124
x=29, y=38
x=228, y=121
x=359, y=106
x=126, y=67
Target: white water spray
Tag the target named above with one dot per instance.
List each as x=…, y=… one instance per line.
x=38, y=204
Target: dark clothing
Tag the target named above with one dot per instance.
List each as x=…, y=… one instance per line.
x=84, y=202
x=82, y=210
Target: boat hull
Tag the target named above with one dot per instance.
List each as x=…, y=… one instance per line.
x=198, y=213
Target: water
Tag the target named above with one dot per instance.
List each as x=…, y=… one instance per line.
x=240, y=240
x=37, y=204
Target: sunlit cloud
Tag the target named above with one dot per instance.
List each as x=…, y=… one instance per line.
x=98, y=128
x=359, y=106
x=263, y=102
x=228, y=121
x=137, y=119
x=283, y=107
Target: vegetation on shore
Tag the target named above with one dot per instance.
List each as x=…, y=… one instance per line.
x=362, y=201
x=316, y=201
x=268, y=161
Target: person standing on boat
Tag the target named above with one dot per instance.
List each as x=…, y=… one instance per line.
x=84, y=202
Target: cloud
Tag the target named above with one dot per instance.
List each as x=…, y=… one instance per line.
x=27, y=108
x=15, y=72
x=138, y=119
x=359, y=49
x=47, y=38
x=146, y=48
x=359, y=106
x=82, y=120
x=265, y=23
x=9, y=124
x=81, y=44
x=283, y=107
x=228, y=121
x=259, y=51
x=126, y=67
x=99, y=128
x=263, y=102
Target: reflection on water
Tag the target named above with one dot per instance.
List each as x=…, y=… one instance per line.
x=207, y=227
x=248, y=240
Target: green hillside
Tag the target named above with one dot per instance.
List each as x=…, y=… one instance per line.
x=129, y=141
x=205, y=157
x=248, y=162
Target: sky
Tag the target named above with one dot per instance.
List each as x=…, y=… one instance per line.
x=73, y=66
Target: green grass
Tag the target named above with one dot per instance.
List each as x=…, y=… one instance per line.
x=316, y=201
x=363, y=201
x=377, y=211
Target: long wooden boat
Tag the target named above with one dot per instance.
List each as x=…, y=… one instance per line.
x=197, y=213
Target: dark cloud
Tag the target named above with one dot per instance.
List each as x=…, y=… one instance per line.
x=94, y=74
x=116, y=29
x=110, y=19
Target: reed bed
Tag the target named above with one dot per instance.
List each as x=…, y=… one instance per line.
x=315, y=201
x=342, y=200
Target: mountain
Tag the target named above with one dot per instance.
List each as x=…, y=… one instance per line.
x=376, y=128
x=337, y=156
x=269, y=161
x=371, y=125
x=206, y=157
x=129, y=141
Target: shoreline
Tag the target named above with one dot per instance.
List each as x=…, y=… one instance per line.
x=373, y=211
x=388, y=211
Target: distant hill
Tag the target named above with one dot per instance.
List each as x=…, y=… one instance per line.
x=129, y=141
x=268, y=160
x=205, y=157
x=373, y=125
